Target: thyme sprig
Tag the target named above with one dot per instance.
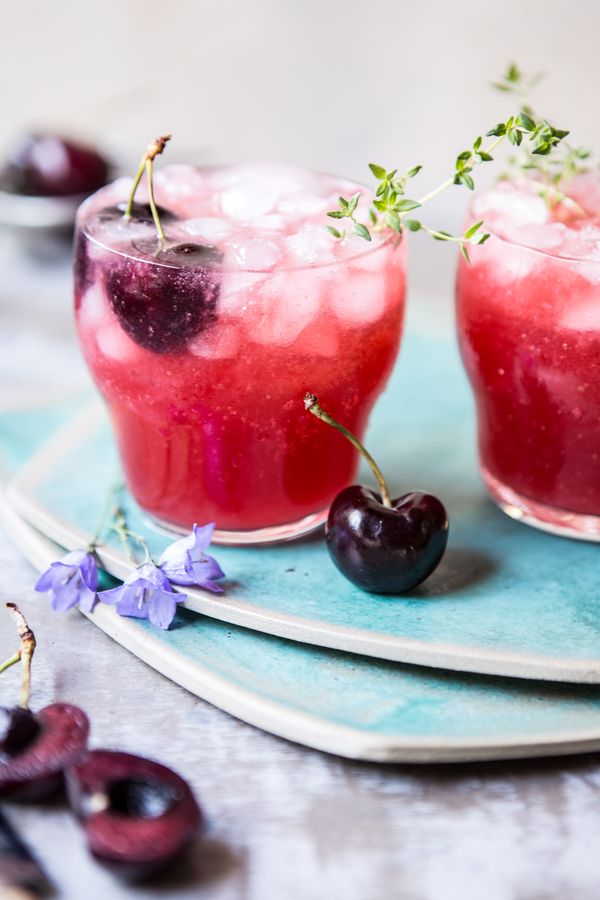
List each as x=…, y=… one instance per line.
x=552, y=174
x=391, y=206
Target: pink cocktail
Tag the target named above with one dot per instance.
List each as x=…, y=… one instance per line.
x=204, y=347
x=529, y=327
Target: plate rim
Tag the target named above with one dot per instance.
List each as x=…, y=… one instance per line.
x=275, y=718
x=226, y=608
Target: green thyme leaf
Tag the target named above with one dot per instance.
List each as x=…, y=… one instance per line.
x=378, y=171
x=362, y=231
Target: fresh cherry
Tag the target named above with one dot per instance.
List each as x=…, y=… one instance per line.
x=382, y=545
x=51, y=166
x=386, y=550
x=138, y=815
x=33, y=768
x=140, y=212
x=167, y=293
x=164, y=298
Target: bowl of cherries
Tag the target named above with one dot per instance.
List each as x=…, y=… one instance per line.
x=42, y=182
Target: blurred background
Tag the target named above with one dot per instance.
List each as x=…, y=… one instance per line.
x=329, y=84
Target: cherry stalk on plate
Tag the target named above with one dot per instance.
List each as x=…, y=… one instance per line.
x=382, y=545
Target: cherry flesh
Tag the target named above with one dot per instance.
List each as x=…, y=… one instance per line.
x=383, y=550
x=48, y=165
x=165, y=297
x=138, y=815
x=33, y=765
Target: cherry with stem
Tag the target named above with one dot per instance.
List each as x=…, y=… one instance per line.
x=382, y=545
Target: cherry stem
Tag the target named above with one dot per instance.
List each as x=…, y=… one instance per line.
x=153, y=149
x=311, y=403
x=24, y=653
x=159, y=229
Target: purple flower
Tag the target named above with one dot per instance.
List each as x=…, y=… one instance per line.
x=72, y=580
x=146, y=594
x=185, y=561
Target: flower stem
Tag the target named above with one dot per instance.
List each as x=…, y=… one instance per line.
x=24, y=653
x=114, y=488
x=153, y=149
x=312, y=405
x=125, y=535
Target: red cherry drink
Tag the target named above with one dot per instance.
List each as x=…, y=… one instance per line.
x=529, y=328
x=203, y=346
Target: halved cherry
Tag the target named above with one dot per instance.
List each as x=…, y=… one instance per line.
x=138, y=815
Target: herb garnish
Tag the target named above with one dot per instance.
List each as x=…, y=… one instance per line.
x=391, y=206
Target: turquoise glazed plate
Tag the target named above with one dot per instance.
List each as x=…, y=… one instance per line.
x=343, y=703
x=350, y=705
x=506, y=600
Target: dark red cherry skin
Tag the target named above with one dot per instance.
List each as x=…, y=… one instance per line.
x=36, y=771
x=165, y=297
x=18, y=728
x=48, y=165
x=140, y=212
x=138, y=815
x=381, y=550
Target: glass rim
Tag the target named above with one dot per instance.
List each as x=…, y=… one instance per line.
x=587, y=260
x=390, y=240
x=512, y=242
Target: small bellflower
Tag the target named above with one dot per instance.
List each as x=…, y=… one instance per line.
x=145, y=594
x=185, y=562
x=71, y=581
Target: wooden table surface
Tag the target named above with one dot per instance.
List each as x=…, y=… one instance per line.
x=284, y=822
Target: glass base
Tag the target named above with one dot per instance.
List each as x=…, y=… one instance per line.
x=272, y=534
x=581, y=526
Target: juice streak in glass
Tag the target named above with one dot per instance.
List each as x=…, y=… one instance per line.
x=203, y=351
x=529, y=328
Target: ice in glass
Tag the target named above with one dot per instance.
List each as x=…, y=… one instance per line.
x=529, y=328
x=204, y=346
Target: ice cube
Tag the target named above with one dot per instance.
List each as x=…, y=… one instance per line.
x=272, y=222
x=320, y=338
x=220, y=342
x=511, y=204
x=251, y=191
x=115, y=230
x=585, y=190
x=302, y=205
x=237, y=291
x=94, y=309
x=286, y=304
x=254, y=253
x=541, y=237
x=358, y=298
x=209, y=228
x=113, y=343
x=503, y=263
x=311, y=244
x=584, y=316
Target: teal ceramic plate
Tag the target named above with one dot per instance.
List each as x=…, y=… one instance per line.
x=351, y=705
x=507, y=600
